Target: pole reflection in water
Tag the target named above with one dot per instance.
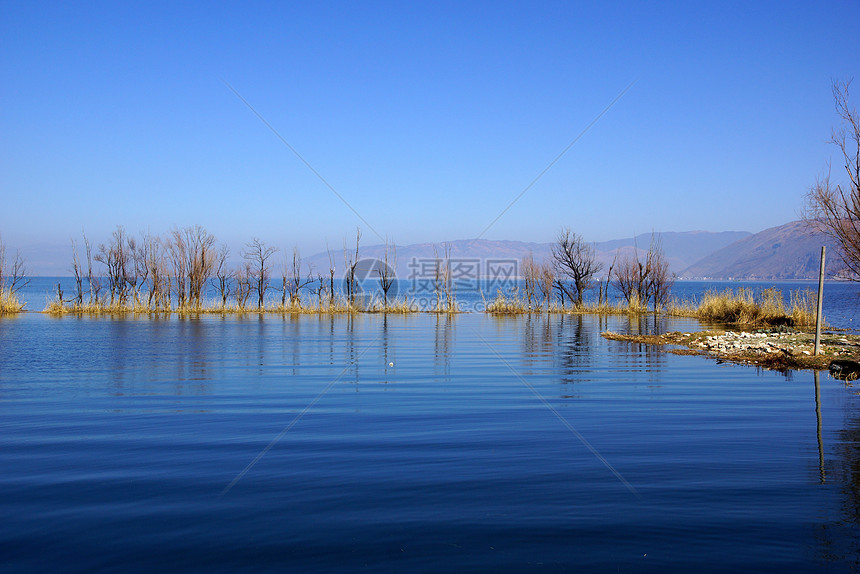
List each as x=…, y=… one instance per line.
x=821, y=472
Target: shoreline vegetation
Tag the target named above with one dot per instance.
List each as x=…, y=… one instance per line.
x=179, y=274
x=9, y=302
x=12, y=279
x=185, y=272
x=737, y=307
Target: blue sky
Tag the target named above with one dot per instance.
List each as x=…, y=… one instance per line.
x=428, y=118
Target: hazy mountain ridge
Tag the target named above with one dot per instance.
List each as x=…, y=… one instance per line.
x=789, y=251
x=785, y=252
x=681, y=248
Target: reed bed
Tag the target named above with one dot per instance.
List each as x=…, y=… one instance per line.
x=58, y=307
x=397, y=306
x=744, y=307
x=740, y=307
x=335, y=305
x=507, y=304
x=9, y=302
x=516, y=303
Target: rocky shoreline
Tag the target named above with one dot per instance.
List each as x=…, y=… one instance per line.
x=781, y=349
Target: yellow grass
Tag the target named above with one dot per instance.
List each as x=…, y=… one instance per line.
x=515, y=303
x=739, y=307
x=504, y=304
x=56, y=307
x=742, y=307
x=9, y=302
x=395, y=306
x=634, y=307
x=338, y=305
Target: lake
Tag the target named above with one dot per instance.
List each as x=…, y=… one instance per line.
x=413, y=443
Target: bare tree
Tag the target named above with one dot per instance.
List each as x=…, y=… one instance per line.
x=835, y=209
x=257, y=256
x=629, y=278
x=293, y=282
x=386, y=271
x=319, y=288
x=116, y=258
x=12, y=277
x=442, y=280
x=530, y=272
x=603, y=287
x=79, y=282
x=223, y=274
x=450, y=296
x=139, y=263
x=546, y=280
x=200, y=262
x=192, y=257
x=575, y=260
x=177, y=253
x=331, y=271
x=156, y=269
x=660, y=279
x=93, y=283
x=350, y=263
x=244, y=285
x=641, y=281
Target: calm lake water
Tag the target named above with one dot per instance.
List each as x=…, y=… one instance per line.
x=412, y=443
x=841, y=298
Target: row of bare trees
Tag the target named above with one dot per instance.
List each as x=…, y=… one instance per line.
x=643, y=280
x=572, y=270
x=175, y=272
x=147, y=272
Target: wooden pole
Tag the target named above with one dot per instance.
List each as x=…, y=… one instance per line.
x=820, y=304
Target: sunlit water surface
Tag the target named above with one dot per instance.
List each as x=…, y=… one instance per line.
x=411, y=443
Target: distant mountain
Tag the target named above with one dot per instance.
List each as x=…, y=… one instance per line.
x=790, y=251
x=410, y=258
x=681, y=248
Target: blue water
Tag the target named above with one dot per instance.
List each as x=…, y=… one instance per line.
x=415, y=443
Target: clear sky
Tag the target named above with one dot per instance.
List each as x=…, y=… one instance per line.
x=428, y=118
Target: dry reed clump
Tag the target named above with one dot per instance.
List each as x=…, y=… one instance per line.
x=98, y=307
x=803, y=307
x=338, y=304
x=517, y=303
x=9, y=302
x=507, y=304
x=446, y=306
x=595, y=308
x=742, y=307
x=335, y=305
x=395, y=306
